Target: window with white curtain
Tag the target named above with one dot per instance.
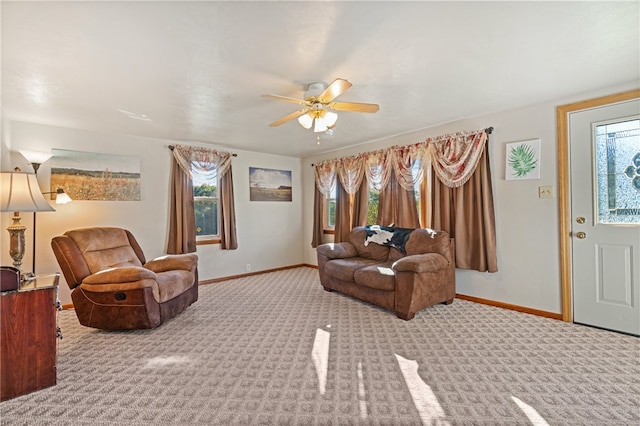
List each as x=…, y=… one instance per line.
x=206, y=203
x=330, y=209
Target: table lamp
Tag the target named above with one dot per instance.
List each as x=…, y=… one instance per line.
x=20, y=192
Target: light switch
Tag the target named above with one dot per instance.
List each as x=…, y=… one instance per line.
x=545, y=192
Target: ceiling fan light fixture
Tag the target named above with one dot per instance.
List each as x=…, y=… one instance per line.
x=306, y=120
x=319, y=106
x=319, y=125
x=324, y=121
x=330, y=118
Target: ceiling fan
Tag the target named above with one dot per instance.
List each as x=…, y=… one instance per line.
x=319, y=106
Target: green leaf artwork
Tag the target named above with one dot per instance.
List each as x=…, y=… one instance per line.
x=522, y=160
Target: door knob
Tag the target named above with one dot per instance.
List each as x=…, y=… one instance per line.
x=581, y=235
x=580, y=219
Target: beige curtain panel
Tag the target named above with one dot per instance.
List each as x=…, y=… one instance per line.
x=182, y=221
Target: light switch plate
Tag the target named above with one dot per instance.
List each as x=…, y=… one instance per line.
x=545, y=192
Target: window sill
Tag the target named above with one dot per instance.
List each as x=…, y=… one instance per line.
x=329, y=231
x=208, y=241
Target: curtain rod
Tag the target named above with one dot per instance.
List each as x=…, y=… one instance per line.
x=488, y=131
x=172, y=146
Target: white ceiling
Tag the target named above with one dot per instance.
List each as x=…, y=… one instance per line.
x=194, y=71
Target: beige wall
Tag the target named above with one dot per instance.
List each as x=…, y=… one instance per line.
x=268, y=232
x=527, y=226
x=274, y=235
x=5, y=142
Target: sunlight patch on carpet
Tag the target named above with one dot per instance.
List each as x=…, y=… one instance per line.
x=362, y=394
x=320, y=355
x=430, y=410
x=161, y=361
x=531, y=413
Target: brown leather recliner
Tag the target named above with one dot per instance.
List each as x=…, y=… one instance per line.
x=115, y=288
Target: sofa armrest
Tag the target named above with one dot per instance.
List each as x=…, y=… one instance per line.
x=172, y=262
x=428, y=262
x=125, y=274
x=337, y=250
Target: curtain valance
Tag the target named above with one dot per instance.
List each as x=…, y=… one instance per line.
x=325, y=176
x=454, y=158
x=201, y=161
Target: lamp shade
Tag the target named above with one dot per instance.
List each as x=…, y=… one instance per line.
x=37, y=157
x=20, y=192
x=62, y=197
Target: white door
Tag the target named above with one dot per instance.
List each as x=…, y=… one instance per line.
x=605, y=208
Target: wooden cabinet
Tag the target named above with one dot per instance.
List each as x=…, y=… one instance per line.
x=28, y=337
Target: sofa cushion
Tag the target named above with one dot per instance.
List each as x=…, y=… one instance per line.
x=379, y=276
x=337, y=250
x=428, y=241
x=344, y=269
x=371, y=251
x=395, y=254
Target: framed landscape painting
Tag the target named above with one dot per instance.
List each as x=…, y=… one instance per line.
x=91, y=176
x=269, y=184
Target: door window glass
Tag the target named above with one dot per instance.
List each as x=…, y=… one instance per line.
x=617, y=149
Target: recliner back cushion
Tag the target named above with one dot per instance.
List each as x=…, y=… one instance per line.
x=104, y=248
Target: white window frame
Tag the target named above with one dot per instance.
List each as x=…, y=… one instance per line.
x=328, y=199
x=208, y=238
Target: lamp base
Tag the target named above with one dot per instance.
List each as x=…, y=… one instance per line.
x=16, y=240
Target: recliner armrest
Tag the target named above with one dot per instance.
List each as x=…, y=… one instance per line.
x=428, y=262
x=122, y=279
x=172, y=262
x=117, y=275
x=341, y=250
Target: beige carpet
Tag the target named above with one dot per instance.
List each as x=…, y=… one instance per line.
x=275, y=349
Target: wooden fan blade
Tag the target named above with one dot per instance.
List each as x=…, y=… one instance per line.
x=335, y=89
x=353, y=106
x=287, y=99
x=291, y=116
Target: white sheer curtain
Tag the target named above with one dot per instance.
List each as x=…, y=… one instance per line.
x=350, y=171
x=404, y=160
x=202, y=162
x=325, y=176
x=378, y=168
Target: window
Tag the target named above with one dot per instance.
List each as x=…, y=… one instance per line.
x=617, y=149
x=330, y=209
x=419, y=190
x=206, y=205
x=374, y=202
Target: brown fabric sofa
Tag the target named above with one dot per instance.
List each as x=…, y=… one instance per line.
x=384, y=275
x=115, y=288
